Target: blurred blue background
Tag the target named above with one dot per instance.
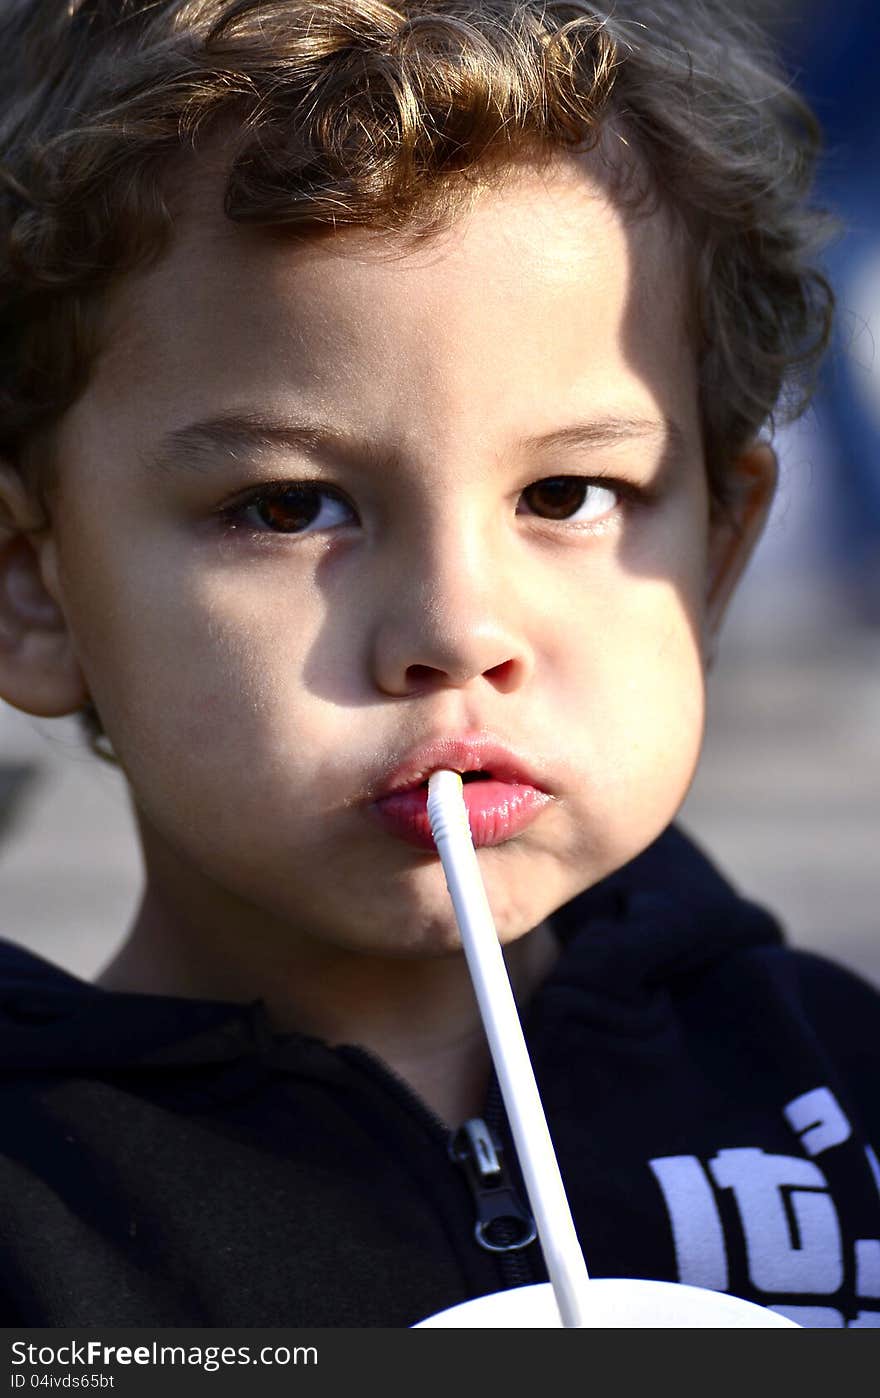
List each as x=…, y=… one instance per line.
x=833, y=52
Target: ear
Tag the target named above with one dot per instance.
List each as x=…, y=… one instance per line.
x=733, y=536
x=39, y=671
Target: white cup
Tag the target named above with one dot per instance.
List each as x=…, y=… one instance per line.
x=613, y=1303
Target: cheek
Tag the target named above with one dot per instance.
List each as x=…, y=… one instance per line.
x=637, y=695
x=659, y=707
x=176, y=666
x=644, y=672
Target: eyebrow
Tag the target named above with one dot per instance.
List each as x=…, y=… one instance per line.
x=195, y=448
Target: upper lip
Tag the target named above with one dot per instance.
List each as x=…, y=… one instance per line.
x=466, y=754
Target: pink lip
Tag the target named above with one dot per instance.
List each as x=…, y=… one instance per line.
x=498, y=809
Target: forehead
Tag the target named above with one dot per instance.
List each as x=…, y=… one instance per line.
x=544, y=280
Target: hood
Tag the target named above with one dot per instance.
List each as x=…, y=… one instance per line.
x=645, y=934
x=664, y=917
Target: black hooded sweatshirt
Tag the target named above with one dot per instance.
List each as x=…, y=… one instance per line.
x=712, y=1095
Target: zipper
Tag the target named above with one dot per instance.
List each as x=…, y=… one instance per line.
x=503, y=1223
x=521, y=1264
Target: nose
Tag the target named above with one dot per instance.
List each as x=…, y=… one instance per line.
x=451, y=616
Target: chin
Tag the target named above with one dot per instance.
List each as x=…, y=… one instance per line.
x=436, y=944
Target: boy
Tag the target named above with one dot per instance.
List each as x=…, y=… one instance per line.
x=383, y=393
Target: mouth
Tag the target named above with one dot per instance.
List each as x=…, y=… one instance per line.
x=466, y=777
x=477, y=758
x=501, y=794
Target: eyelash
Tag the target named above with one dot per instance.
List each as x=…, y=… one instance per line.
x=231, y=515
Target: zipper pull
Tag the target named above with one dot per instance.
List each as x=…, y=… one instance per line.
x=503, y=1222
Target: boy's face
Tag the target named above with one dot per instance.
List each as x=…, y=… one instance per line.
x=255, y=683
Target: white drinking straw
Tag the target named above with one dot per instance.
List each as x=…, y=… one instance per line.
x=566, y=1268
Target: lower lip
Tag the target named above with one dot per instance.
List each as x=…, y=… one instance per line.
x=496, y=811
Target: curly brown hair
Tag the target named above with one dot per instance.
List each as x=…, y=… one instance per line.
x=361, y=113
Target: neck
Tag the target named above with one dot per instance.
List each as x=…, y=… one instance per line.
x=418, y=1015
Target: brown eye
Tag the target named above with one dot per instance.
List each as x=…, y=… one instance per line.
x=289, y=509
x=560, y=497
